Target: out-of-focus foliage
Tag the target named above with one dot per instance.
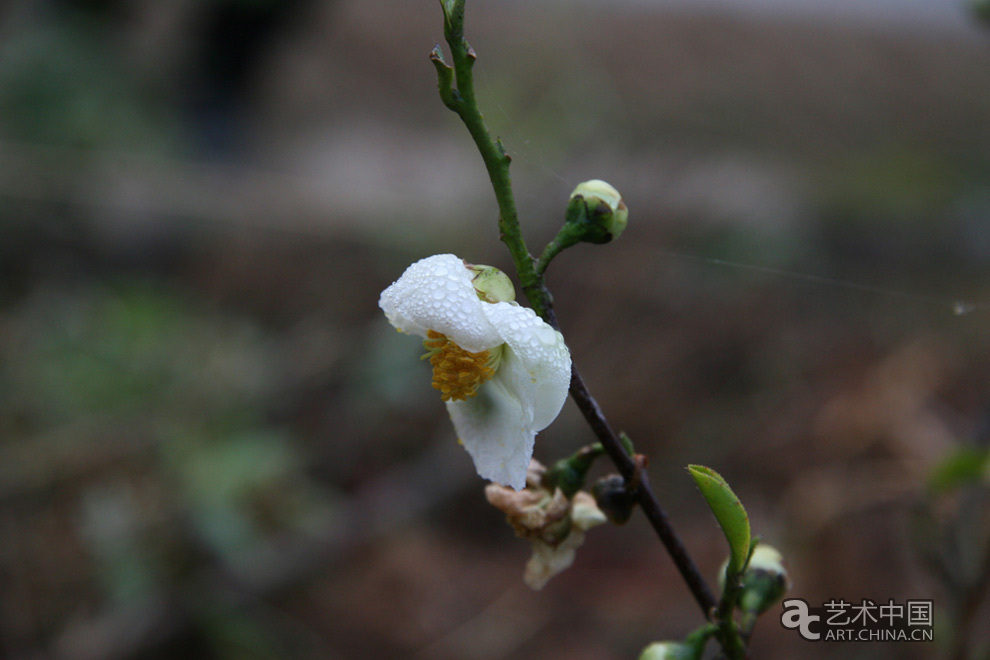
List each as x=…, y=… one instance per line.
x=960, y=468
x=61, y=84
x=91, y=374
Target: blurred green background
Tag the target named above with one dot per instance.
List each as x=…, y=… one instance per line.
x=212, y=445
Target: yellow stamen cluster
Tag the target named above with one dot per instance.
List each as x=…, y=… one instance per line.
x=456, y=373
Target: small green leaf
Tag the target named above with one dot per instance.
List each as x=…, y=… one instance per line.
x=627, y=443
x=728, y=510
x=445, y=78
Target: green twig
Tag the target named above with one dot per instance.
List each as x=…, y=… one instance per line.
x=456, y=85
x=560, y=242
x=461, y=99
x=728, y=632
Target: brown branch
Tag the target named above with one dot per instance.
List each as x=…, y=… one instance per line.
x=630, y=471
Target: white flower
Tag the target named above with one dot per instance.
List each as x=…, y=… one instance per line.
x=502, y=371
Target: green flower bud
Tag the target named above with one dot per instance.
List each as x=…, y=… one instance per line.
x=599, y=208
x=568, y=474
x=764, y=582
x=668, y=651
x=614, y=499
x=491, y=284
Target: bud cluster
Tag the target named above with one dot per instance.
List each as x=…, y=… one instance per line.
x=553, y=523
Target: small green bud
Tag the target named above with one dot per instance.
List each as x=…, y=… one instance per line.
x=764, y=582
x=599, y=208
x=614, y=499
x=668, y=651
x=491, y=284
x=568, y=474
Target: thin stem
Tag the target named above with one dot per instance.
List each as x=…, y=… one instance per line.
x=462, y=101
x=747, y=625
x=573, y=231
x=560, y=242
x=728, y=632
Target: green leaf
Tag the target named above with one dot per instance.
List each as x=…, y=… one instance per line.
x=729, y=513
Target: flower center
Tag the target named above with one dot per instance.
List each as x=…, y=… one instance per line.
x=457, y=373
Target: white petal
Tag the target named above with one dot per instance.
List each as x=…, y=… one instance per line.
x=537, y=366
x=436, y=293
x=496, y=428
x=585, y=513
x=548, y=561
